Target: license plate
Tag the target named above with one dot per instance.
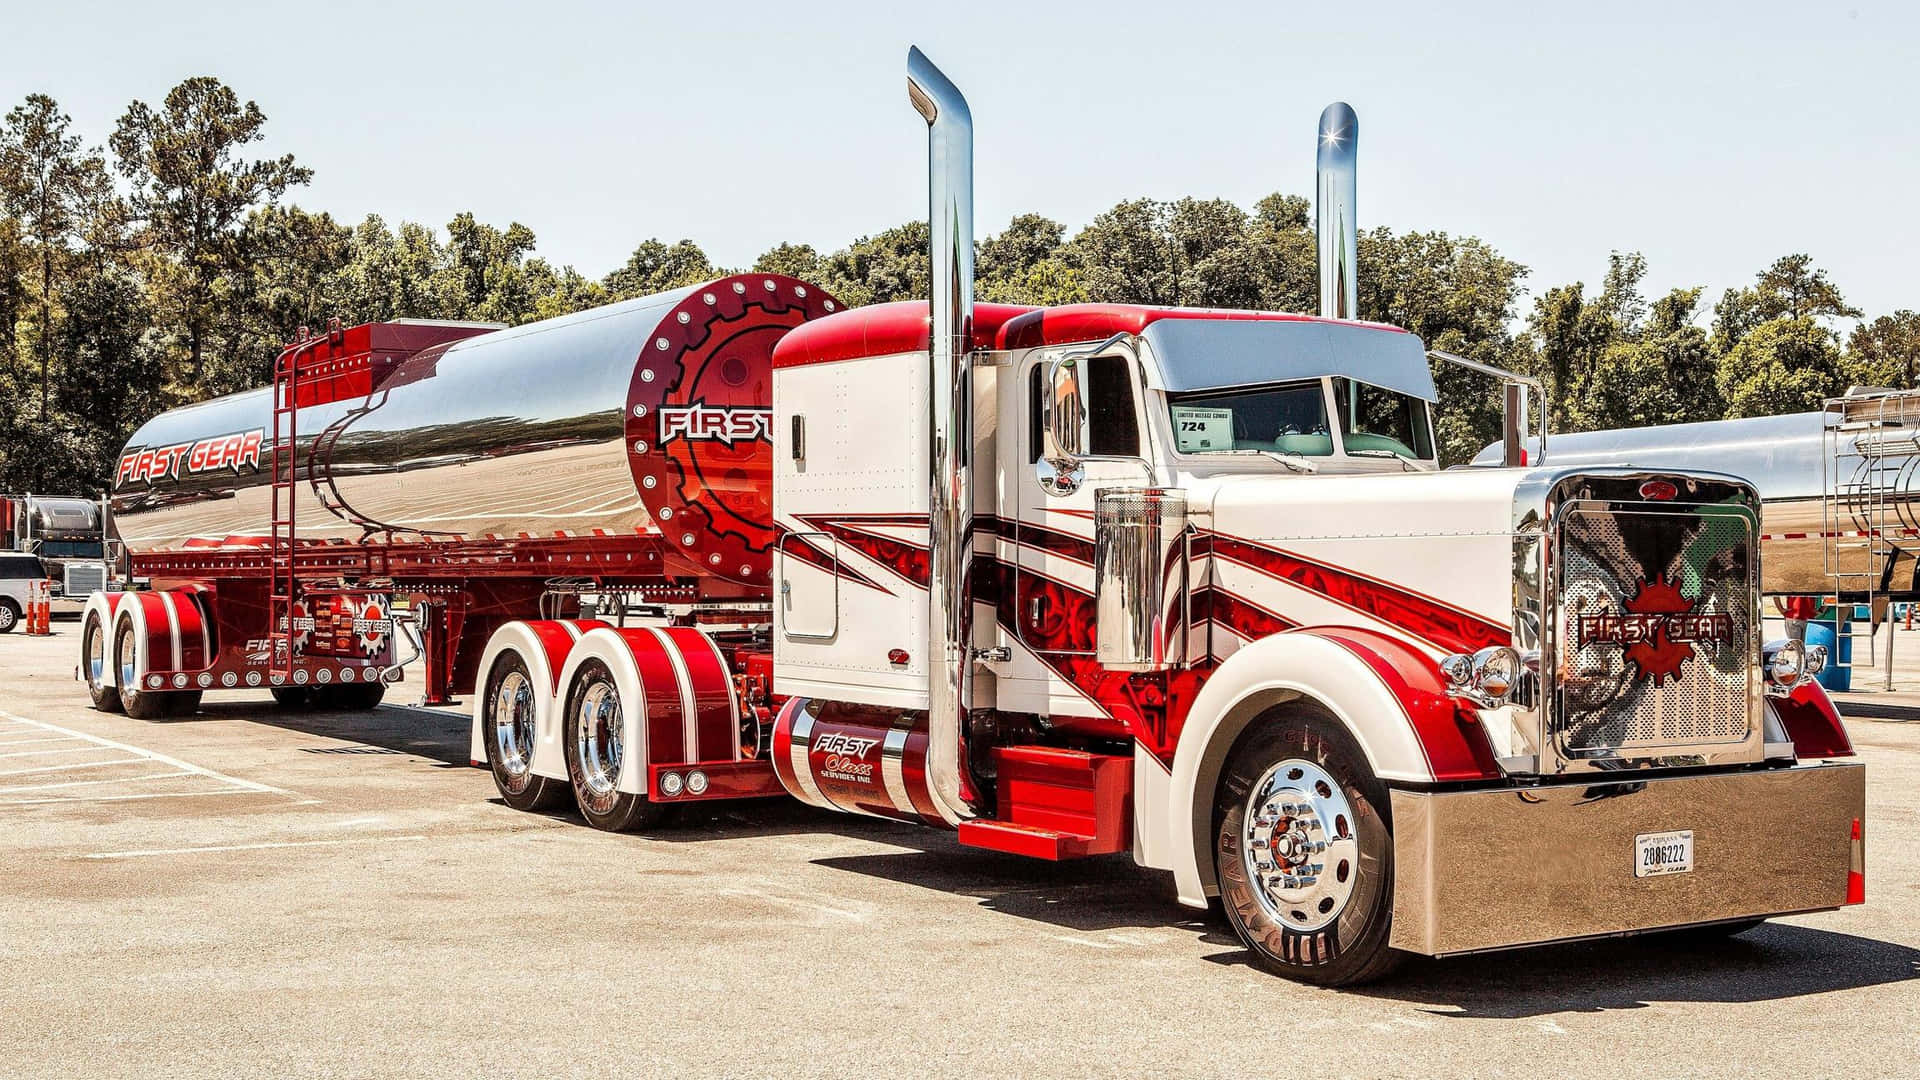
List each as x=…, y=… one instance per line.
x=1660, y=853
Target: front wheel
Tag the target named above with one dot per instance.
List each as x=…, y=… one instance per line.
x=1303, y=850
x=595, y=733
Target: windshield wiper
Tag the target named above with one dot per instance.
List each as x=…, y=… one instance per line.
x=1405, y=465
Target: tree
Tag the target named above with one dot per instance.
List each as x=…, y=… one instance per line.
x=1792, y=288
x=1886, y=351
x=889, y=265
x=1024, y=264
x=793, y=260
x=44, y=180
x=655, y=267
x=192, y=190
x=1783, y=365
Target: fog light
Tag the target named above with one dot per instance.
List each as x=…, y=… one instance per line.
x=696, y=783
x=1816, y=660
x=1486, y=678
x=1786, y=664
x=671, y=784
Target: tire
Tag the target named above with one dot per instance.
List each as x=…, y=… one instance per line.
x=1297, y=794
x=295, y=698
x=351, y=697
x=94, y=636
x=9, y=615
x=508, y=695
x=135, y=702
x=595, y=747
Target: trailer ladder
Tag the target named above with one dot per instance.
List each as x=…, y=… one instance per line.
x=283, y=542
x=1871, y=450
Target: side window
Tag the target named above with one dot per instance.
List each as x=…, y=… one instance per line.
x=1114, y=426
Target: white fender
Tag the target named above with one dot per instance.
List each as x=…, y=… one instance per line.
x=520, y=638
x=607, y=646
x=1264, y=673
x=129, y=609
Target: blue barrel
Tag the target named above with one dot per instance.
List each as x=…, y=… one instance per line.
x=1838, y=674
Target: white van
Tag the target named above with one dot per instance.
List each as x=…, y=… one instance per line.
x=17, y=572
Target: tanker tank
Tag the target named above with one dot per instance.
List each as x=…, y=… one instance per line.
x=1840, y=494
x=646, y=416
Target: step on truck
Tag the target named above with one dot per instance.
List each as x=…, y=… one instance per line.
x=1077, y=581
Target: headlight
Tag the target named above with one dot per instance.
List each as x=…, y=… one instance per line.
x=1786, y=664
x=1816, y=660
x=1485, y=678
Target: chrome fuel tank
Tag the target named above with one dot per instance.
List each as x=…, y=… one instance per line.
x=649, y=414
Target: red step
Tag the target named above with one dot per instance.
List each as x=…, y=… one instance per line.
x=1057, y=804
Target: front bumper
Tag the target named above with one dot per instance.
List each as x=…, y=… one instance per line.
x=1478, y=870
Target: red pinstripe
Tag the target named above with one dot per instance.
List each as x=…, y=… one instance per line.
x=665, y=742
x=719, y=738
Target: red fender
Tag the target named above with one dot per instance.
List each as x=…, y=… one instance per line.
x=1812, y=722
x=1455, y=744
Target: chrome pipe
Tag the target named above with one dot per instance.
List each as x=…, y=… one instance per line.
x=950, y=394
x=1335, y=230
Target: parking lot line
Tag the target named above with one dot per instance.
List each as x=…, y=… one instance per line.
x=79, y=765
x=163, y=759
x=145, y=853
x=43, y=753
x=84, y=783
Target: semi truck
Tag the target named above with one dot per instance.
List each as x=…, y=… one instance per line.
x=67, y=534
x=1090, y=580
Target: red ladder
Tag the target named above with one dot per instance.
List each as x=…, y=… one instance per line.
x=282, y=540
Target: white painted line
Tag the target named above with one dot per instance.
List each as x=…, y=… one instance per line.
x=161, y=758
x=23, y=742
x=801, y=905
x=141, y=854
x=40, y=753
x=84, y=783
x=80, y=765
x=1069, y=939
x=129, y=798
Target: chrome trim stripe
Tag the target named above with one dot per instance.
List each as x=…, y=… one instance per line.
x=801, y=746
x=689, y=719
x=892, y=749
x=173, y=627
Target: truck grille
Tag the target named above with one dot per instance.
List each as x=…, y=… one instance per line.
x=1656, y=631
x=85, y=579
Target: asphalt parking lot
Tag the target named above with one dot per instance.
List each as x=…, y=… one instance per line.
x=247, y=891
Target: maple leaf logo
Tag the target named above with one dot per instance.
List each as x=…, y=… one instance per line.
x=1659, y=656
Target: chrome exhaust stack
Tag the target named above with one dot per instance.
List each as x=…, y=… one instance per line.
x=950, y=393
x=1337, y=234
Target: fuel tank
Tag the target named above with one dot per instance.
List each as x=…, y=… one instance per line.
x=646, y=416
x=1839, y=489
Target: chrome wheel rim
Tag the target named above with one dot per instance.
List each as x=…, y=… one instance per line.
x=96, y=654
x=1299, y=847
x=6, y=617
x=126, y=660
x=513, y=727
x=597, y=744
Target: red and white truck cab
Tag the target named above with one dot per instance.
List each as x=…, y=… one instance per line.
x=1190, y=584
x=1073, y=581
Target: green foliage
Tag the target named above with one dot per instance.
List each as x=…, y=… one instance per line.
x=189, y=278
x=1783, y=365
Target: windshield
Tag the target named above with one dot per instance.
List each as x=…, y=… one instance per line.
x=68, y=549
x=1374, y=420
x=1290, y=418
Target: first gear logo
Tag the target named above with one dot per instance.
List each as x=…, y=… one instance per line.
x=1658, y=630
x=702, y=421
x=236, y=451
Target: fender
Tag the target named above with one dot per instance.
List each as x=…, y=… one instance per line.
x=676, y=697
x=543, y=645
x=1813, y=723
x=168, y=627
x=1388, y=694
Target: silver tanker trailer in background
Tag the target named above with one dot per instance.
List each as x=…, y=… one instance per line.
x=1839, y=487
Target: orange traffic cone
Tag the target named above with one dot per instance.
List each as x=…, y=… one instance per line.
x=41, y=620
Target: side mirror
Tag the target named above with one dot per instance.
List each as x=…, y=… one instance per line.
x=1064, y=426
x=1518, y=389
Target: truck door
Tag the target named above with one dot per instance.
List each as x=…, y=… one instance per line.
x=1052, y=612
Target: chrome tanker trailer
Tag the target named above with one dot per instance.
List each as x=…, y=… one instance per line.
x=1840, y=494
x=461, y=473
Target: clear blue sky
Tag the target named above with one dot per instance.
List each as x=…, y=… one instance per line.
x=1712, y=137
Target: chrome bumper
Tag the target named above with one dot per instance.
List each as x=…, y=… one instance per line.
x=1482, y=870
